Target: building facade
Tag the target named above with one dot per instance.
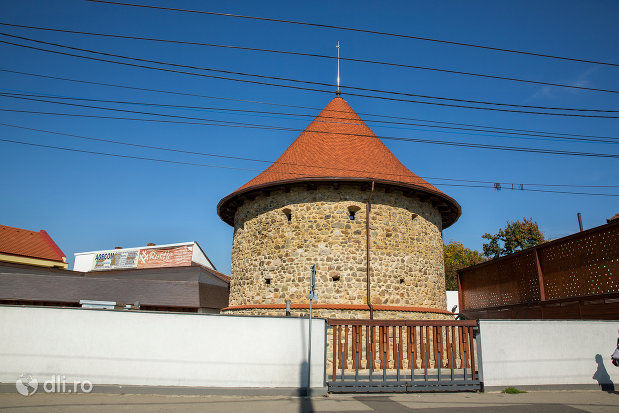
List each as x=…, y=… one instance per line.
x=338, y=200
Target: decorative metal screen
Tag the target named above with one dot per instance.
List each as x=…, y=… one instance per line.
x=579, y=265
x=502, y=282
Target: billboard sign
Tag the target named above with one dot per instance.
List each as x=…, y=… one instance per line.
x=165, y=257
x=143, y=258
x=117, y=260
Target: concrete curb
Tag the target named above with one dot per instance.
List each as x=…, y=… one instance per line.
x=545, y=387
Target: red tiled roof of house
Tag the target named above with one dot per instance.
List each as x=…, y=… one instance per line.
x=338, y=145
x=25, y=243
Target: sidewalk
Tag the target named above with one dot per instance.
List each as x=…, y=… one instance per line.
x=533, y=402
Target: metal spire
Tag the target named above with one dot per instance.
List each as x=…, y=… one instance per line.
x=337, y=92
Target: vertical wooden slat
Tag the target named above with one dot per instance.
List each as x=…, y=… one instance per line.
x=346, y=348
x=334, y=359
x=422, y=347
x=414, y=328
x=386, y=345
x=428, y=343
x=408, y=347
x=394, y=345
x=400, y=345
x=436, y=331
x=367, y=347
x=446, y=354
x=466, y=346
x=453, y=355
x=360, y=345
x=374, y=341
x=339, y=347
x=380, y=347
x=353, y=345
x=461, y=346
x=472, y=352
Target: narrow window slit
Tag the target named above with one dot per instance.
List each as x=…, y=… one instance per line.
x=352, y=210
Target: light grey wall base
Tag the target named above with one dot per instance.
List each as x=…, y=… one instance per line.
x=550, y=387
x=190, y=391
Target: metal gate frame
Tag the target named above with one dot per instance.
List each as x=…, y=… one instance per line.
x=435, y=350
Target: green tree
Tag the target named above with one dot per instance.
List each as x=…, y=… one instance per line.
x=516, y=236
x=457, y=257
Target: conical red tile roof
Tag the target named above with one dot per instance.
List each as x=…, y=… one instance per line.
x=338, y=145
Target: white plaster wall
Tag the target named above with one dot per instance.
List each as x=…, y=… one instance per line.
x=547, y=352
x=452, y=299
x=150, y=349
x=83, y=262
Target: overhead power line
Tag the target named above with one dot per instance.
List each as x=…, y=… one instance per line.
x=314, y=55
x=285, y=79
x=495, y=129
x=248, y=169
x=500, y=109
x=117, y=142
x=260, y=126
x=358, y=30
x=330, y=119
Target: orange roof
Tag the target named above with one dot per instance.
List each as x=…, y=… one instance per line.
x=17, y=241
x=338, y=145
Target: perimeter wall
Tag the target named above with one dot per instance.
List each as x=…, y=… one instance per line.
x=562, y=353
x=159, y=349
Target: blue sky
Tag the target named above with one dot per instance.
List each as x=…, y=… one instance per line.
x=89, y=202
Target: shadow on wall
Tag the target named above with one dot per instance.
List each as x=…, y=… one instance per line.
x=602, y=376
x=304, y=391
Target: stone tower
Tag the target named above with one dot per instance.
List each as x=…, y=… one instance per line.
x=310, y=207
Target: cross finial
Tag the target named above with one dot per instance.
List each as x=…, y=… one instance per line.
x=337, y=92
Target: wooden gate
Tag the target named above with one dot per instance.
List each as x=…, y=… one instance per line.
x=402, y=356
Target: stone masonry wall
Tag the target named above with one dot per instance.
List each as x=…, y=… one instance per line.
x=406, y=248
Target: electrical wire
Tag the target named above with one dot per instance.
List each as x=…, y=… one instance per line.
x=313, y=89
x=495, y=129
x=254, y=170
x=314, y=55
x=279, y=78
x=353, y=29
x=259, y=126
x=278, y=162
x=330, y=119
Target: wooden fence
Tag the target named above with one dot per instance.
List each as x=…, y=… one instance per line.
x=402, y=347
x=539, y=280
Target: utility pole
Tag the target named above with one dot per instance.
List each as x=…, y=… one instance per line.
x=312, y=296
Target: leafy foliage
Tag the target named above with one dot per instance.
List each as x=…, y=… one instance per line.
x=457, y=257
x=516, y=236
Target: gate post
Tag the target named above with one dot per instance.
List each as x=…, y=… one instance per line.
x=480, y=363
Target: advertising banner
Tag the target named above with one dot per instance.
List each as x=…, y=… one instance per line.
x=165, y=257
x=119, y=260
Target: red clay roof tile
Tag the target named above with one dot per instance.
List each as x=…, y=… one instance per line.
x=337, y=144
x=17, y=241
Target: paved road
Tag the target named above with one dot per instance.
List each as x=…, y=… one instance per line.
x=533, y=402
